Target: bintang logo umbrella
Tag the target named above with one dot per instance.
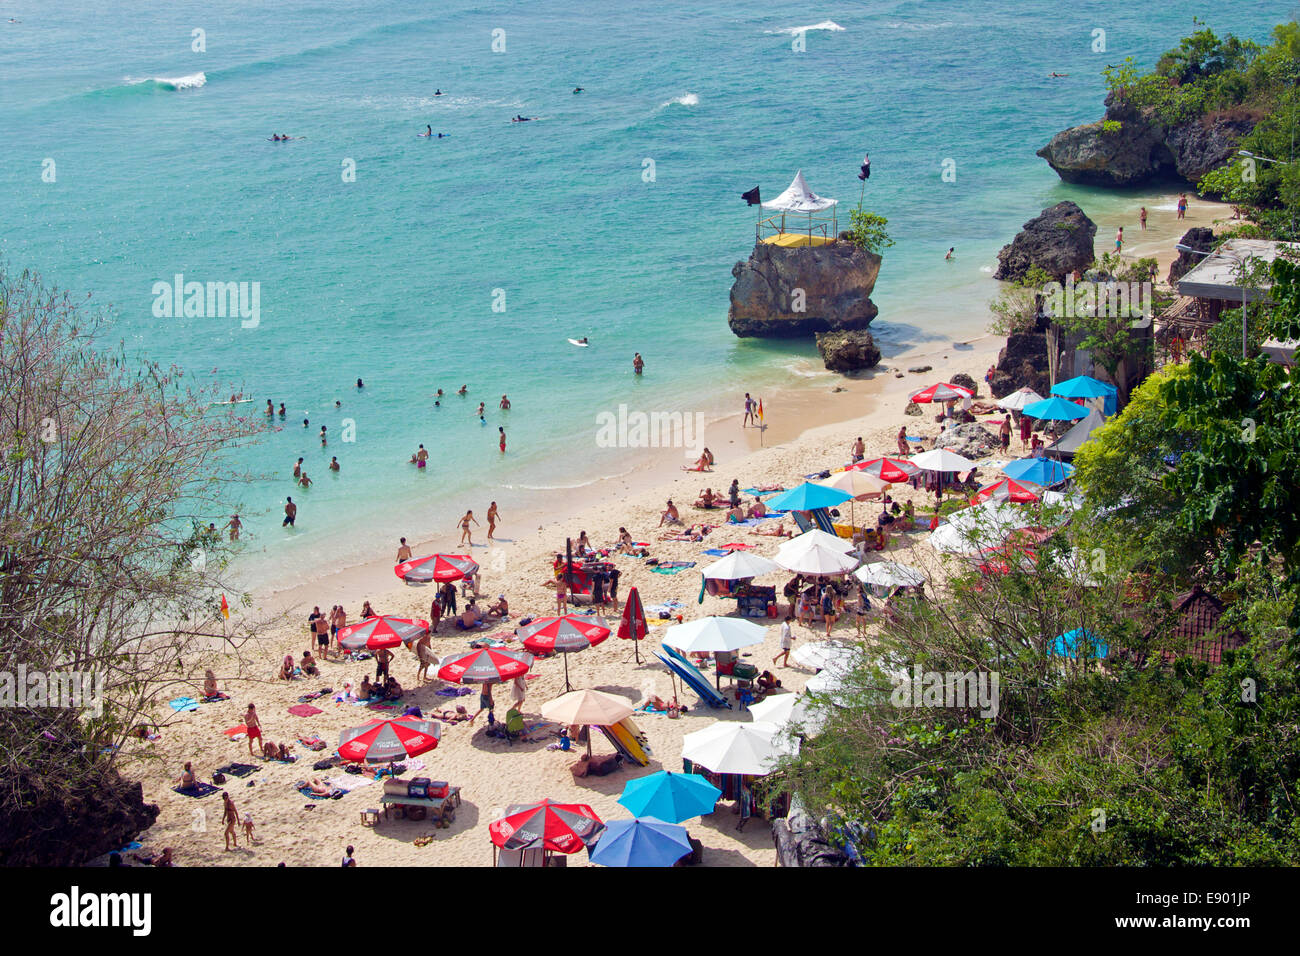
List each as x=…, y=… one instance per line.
x=943, y=392
x=573, y=632
x=383, y=741
x=561, y=827
x=634, y=626
x=436, y=567
x=1008, y=489
x=891, y=470
x=488, y=666
x=383, y=631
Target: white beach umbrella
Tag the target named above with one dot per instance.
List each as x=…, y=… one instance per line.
x=827, y=682
x=731, y=747
x=941, y=459
x=981, y=526
x=1077, y=566
x=816, y=559
x=823, y=654
x=813, y=538
x=786, y=710
x=855, y=482
x=713, y=634
x=1071, y=500
x=739, y=565
x=889, y=574
x=1018, y=399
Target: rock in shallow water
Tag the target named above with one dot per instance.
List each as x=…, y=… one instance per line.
x=783, y=293
x=848, y=351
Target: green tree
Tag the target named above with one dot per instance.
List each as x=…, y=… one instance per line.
x=867, y=230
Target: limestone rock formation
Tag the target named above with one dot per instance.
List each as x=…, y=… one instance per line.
x=965, y=381
x=1059, y=240
x=848, y=351
x=972, y=441
x=783, y=293
x=1198, y=237
x=1142, y=149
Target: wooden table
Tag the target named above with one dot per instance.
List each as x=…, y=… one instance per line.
x=443, y=809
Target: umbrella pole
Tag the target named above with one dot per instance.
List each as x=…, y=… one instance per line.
x=567, y=688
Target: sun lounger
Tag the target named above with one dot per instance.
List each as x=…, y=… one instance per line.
x=822, y=519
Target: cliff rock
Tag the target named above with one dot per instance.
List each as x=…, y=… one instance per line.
x=848, y=351
x=1059, y=240
x=1198, y=237
x=970, y=441
x=1143, y=149
x=783, y=293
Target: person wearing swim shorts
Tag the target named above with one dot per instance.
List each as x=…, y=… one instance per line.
x=253, y=725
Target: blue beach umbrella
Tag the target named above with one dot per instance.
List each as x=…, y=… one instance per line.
x=1041, y=471
x=808, y=497
x=1055, y=408
x=642, y=842
x=1083, y=386
x=1067, y=644
x=670, y=796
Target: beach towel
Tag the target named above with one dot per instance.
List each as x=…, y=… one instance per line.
x=453, y=691
x=737, y=546
x=717, y=552
x=383, y=705
x=349, y=782
x=672, y=567
x=183, y=703
x=307, y=698
x=312, y=743
x=234, y=733
x=237, y=769
x=215, y=697
x=759, y=492
x=133, y=845
x=198, y=790
x=334, y=794
x=305, y=710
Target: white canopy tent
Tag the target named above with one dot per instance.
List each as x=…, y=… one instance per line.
x=799, y=200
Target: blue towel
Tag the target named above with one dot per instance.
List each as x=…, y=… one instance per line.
x=183, y=703
x=717, y=551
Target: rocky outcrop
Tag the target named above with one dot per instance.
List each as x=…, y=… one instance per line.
x=1131, y=147
x=970, y=441
x=783, y=293
x=1059, y=240
x=1198, y=237
x=57, y=828
x=848, y=351
x=965, y=381
x=800, y=841
x=1023, y=362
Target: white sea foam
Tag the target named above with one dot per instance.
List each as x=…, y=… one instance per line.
x=686, y=99
x=191, y=82
x=824, y=25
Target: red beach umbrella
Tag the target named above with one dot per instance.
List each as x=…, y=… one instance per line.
x=561, y=827
x=488, y=666
x=942, y=392
x=383, y=631
x=436, y=567
x=634, y=626
x=890, y=470
x=384, y=741
x=1008, y=489
x=567, y=634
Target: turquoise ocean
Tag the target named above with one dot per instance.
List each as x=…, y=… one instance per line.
x=471, y=259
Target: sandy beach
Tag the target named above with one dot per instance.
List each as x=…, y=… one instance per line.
x=809, y=430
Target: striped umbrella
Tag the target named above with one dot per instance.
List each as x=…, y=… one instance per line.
x=1008, y=489
x=891, y=470
x=561, y=827
x=488, y=666
x=634, y=626
x=383, y=741
x=436, y=567
x=567, y=634
x=383, y=631
x=942, y=392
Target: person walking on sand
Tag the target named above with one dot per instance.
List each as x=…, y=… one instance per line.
x=403, y=551
x=290, y=512
x=1004, y=430
x=858, y=449
x=465, y=537
x=253, y=727
x=234, y=524
x=562, y=594
x=749, y=412
x=230, y=817
x=902, y=440
x=348, y=859
x=638, y=364
x=1026, y=429
x=492, y=516
x=1142, y=218
x=787, y=642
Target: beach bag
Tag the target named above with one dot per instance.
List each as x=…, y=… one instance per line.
x=218, y=778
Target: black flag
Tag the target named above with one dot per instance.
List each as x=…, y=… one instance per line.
x=865, y=173
x=751, y=197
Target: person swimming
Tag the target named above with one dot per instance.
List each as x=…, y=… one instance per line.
x=437, y=92
x=577, y=89
x=523, y=119
x=428, y=130
x=583, y=340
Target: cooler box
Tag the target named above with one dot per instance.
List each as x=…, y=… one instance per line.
x=396, y=788
x=744, y=671
x=439, y=789
x=419, y=788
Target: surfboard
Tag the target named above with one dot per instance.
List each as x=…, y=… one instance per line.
x=692, y=679
x=626, y=743
x=240, y=401
x=581, y=345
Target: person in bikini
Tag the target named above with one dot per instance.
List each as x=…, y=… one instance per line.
x=230, y=817
x=492, y=516
x=465, y=537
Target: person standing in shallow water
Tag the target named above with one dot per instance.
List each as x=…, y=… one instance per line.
x=638, y=363
x=502, y=430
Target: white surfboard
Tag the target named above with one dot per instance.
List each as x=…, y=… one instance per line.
x=581, y=345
